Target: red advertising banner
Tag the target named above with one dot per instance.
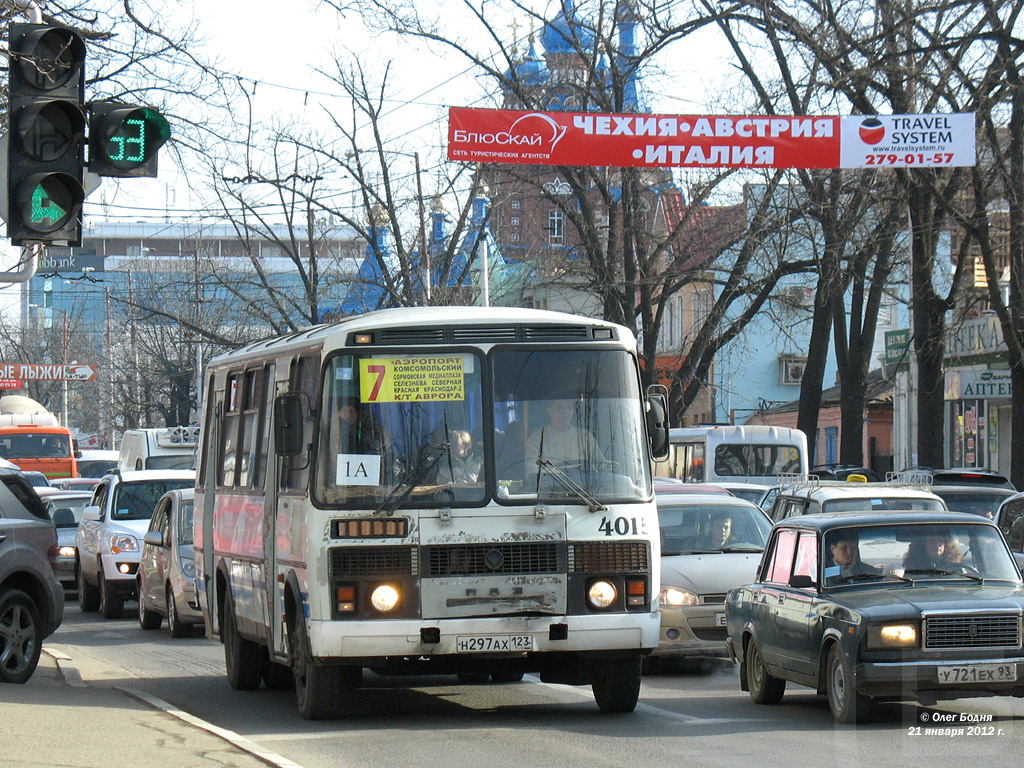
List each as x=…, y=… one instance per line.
x=10, y=383
x=707, y=141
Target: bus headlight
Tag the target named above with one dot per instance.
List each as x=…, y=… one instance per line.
x=384, y=598
x=601, y=594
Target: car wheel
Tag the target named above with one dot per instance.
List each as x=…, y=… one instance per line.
x=616, y=684
x=88, y=595
x=243, y=658
x=846, y=704
x=319, y=689
x=21, y=636
x=177, y=627
x=147, y=619
x=111, y=602
x=764, y=687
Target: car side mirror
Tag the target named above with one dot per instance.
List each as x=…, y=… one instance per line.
x=153, y=537
x=801, y=581
x=288, y=424
x=657, y=424
x=91, y=513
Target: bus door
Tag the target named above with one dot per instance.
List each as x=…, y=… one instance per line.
x=208, y=480
x=286, y=541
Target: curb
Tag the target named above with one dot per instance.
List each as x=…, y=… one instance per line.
x=69, y=672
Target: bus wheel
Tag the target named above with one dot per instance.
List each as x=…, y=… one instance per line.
x=616, y=684
x=319, y=689
x=243, y=659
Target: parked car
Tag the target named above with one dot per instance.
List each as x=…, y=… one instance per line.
x=1010, y=519
x=976, y=499
x=813, y=496
x=956, y=476
x=109, y=535
x=710, y=543
x=866, y=607
x=167, y=569
x=31, y=598
x=96, y=463
x=65, y=509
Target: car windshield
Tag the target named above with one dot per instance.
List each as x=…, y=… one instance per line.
x=881, y=503
x=915, y=552
x=135, y=500
x=185, y=523
x=61, y=509
x=95, y=467
x=984, y=504
x=691, y=528
x=172, y=461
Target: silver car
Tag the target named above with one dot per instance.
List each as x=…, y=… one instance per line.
x=167, y=570
x=710, y=543
x=65, y=509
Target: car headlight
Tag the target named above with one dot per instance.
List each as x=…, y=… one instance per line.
x=188, y=568
x=122, y=542
x=902, y=635
x=678, y=597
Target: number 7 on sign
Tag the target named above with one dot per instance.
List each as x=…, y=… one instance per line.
x=378, y=371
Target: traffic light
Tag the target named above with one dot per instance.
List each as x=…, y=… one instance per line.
x=47, y=133
x=124, y=140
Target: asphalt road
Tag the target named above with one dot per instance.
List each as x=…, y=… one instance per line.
x=683, y=718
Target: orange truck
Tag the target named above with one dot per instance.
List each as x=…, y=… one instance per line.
x=37, y=442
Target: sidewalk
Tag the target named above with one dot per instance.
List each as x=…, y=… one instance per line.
x=57, y=719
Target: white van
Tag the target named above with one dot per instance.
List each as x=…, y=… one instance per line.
x=749, y=453
x=161, y=448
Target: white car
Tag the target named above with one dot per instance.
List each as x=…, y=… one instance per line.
x=710, y=543
x=109, y=538
x=812, y=496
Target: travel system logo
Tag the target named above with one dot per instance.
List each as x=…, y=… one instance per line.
x=872, y=131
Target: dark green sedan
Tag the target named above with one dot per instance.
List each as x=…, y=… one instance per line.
x=892, y=606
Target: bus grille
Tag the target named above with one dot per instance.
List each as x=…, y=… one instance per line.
x=485, y=559
x=358, y=562
x=999, y=631
x=608, y=557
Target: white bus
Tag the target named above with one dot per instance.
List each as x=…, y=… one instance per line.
x=753, y=453
x=440, y=490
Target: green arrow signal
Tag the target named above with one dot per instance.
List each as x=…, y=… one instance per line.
x=44, y=209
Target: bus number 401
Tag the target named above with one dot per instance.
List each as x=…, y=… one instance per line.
x=622, y=526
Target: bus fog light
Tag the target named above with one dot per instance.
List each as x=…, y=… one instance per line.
x=601, y=594
x=384, y=598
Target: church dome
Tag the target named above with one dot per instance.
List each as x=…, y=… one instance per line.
x=566, y=33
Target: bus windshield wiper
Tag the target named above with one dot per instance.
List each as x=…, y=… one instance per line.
x=428, y=458
x=569, y=484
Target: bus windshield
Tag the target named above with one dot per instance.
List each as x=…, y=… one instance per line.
x=411, y=428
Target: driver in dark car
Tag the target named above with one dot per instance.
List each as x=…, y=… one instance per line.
x=845, y=547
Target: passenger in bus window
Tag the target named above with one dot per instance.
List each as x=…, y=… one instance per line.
x=563, y=442
x=359, y=431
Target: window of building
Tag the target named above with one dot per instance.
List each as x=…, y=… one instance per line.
x=556, y=226
x=515, y=205
x=514, y=237
x=515, y=221
x=831, y=445
x=791, y=369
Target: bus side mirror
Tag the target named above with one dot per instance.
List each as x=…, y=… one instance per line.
x=288, y=424
x=657, y=424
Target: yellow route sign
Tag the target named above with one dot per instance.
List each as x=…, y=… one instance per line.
x=412, y=379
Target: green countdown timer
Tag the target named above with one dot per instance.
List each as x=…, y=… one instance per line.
x=124, y=140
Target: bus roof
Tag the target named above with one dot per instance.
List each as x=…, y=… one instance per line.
x=426, y=318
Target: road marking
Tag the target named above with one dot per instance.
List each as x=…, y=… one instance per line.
x=236, y=739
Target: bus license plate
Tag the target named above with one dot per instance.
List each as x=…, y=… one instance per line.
x=493, y=643
x=978, y=673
